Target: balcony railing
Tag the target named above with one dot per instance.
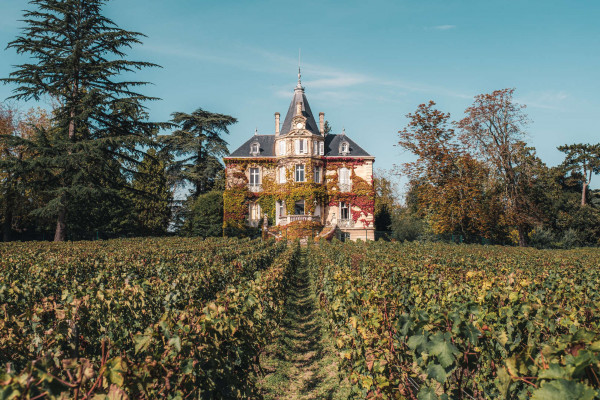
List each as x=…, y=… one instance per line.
x=345, y=187
x=255, y=187
x=345, y=223
x=294, y=218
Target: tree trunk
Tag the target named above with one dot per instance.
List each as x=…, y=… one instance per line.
x=61, y=226
x=6, y=231
x=522, y=236
x=583, y=191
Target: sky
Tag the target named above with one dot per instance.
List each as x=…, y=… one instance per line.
x=364, y=64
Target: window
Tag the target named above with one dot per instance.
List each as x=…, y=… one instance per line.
x=299, y=207
x=345, y=236
x=321, y=148
x=254, y=177
x=315, y=148
x=301, y=146
x=300, y=173
x=318, y=174
x=255, y=211
x=282, y=177
x=255, y=148
x=344, y=176
x=282, y=148
x=281, y=208
x=344, y=148
x=344, y=211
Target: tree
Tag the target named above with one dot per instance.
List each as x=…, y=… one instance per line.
x=326, y=128
x=99, y=121
x=451, y=185
x=19, y=193
x=495, y=126
x=198, y=148
x=582, y=158
x=205, y=216
x=152, y=196
x=386, y=200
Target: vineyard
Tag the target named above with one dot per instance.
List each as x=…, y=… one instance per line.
x=463, y=322
x=236, y=318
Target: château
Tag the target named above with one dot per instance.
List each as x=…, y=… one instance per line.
x=301, y=181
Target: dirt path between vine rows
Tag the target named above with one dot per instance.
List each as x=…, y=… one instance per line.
x=302, y=363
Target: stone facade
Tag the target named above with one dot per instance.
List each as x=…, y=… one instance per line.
x=304, y=180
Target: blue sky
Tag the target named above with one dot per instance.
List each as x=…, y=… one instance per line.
x=365, y=64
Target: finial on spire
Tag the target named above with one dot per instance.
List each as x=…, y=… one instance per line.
x=256, y=131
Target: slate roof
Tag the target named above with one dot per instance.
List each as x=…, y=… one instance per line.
x=311, y=124
x=267, y=147
x=332, y=147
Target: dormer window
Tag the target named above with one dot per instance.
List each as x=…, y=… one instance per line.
x=344, y=148
x=255, y=148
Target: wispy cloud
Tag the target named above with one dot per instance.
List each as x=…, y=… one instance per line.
x=325, y=81
x=443, y=27
x=548, y=99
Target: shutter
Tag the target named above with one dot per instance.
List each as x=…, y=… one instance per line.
x=305, y=146
x=315, y=147
x=297, y=144
x=344, y=178
x=321, y=148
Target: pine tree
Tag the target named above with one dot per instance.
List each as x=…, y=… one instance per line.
x=152, y=196
x=77, y=56
x=584, y=159
x=198, y=147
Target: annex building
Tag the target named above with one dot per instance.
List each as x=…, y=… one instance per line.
x=301, y=181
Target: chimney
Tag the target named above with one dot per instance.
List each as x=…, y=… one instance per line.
x=276, y=124
x=322, y=123
x=299, y=108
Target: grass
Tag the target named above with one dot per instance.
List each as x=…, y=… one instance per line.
x=302, y=363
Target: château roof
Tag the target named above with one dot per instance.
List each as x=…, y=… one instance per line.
x=333, y=143
x=311, y=124
x=266, y=144
x=267, y=147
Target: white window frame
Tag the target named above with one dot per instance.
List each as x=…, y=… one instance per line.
x=321, y=148
x=255, y=148
x=345, y=148
x=303, y=207
x=282, y=148
x=301, y=146
x=344, y=206
x=300, y=170
x=254, y=177
x=317, y=174
x=281, y=208
x=344, y=176
x=254, y=211
x=282, y=173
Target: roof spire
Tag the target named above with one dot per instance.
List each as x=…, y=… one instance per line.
x=299, y=86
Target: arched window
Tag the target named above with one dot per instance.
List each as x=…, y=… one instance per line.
x=344, y=148
x=255, y=148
